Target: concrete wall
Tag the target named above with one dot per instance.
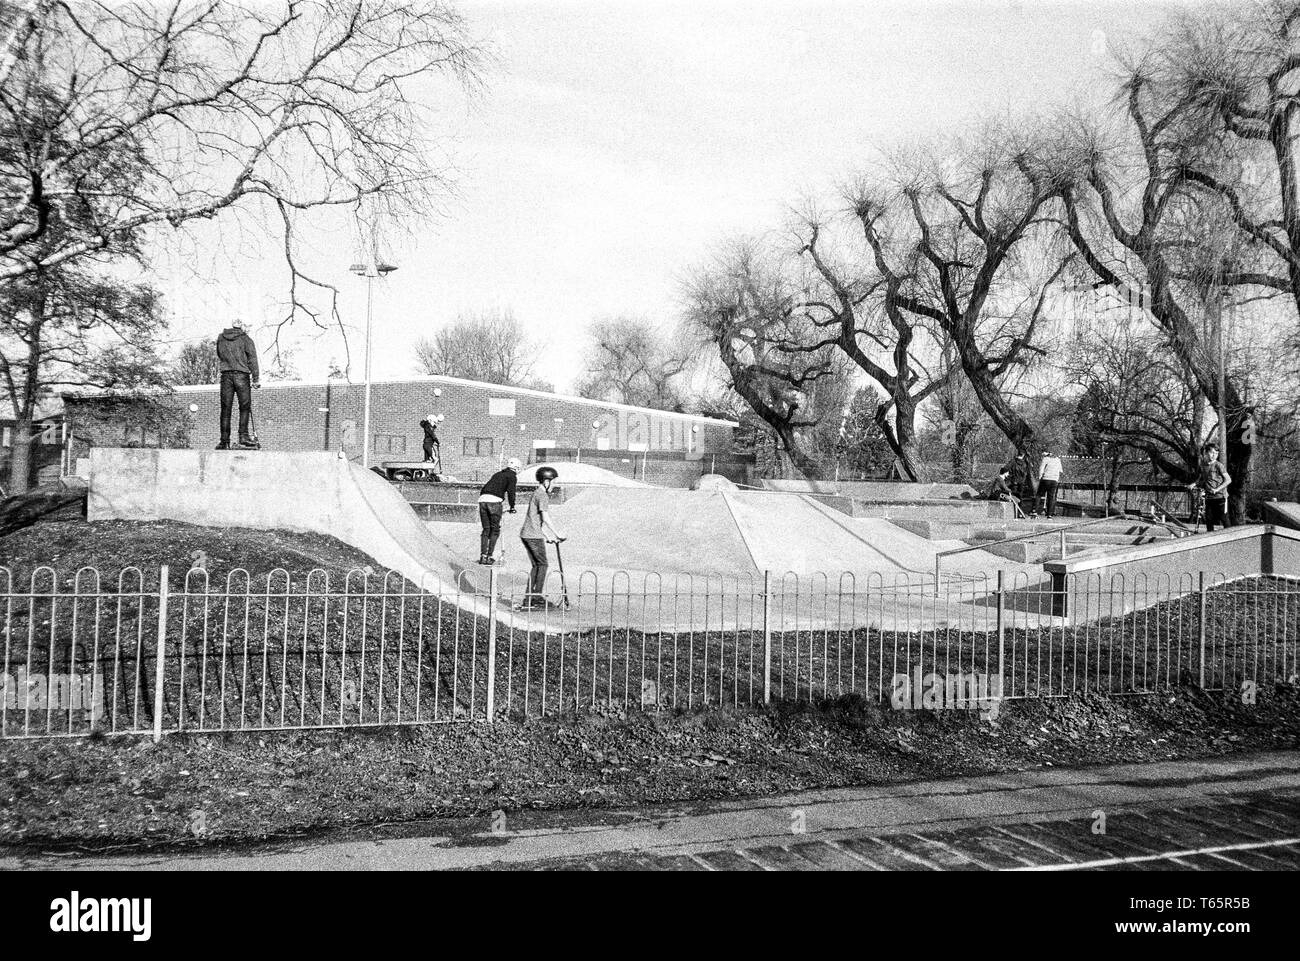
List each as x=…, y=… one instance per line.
x=308, y=492
x=1174, y=567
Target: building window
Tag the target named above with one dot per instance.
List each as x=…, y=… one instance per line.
x=501, y=406
x=477, y=446
x=390, y=444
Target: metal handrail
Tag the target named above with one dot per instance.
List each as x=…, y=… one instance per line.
x=938, y=558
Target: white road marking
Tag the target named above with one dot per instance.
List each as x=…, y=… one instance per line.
x=1168, y=855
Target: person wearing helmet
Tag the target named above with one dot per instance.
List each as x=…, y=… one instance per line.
x=535, y=534
x=492, y=497
x=431, y=443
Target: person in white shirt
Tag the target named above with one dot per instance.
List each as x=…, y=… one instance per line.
x=1049, y=474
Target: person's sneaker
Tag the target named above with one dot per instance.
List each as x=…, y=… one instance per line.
x=486, y=561
x=224, y=445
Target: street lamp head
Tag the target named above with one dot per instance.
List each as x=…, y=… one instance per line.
x=372, y=270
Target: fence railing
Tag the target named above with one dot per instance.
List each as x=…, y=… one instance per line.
x=148, y=653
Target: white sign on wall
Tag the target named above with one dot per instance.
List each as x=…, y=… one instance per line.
x=501, y=406
x=638, y=446
x=543, y=444
x=602, y=443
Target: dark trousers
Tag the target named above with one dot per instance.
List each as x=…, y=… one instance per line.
x=235, y=382
x=1047, y=488
x=537, y=556
x=489, y=515
x=1216, y=512
x=428, y=450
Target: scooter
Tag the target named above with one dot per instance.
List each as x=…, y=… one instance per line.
x=564, y=590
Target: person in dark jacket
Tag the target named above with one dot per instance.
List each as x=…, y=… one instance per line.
x=238, y=358
x=431, y=443
x=1000, y=489
x=492, y=498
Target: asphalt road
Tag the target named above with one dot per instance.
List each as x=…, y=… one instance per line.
x=1234, y=813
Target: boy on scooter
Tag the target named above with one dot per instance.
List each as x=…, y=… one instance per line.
x=535, y=537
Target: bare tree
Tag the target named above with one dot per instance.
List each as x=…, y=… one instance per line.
x=629, y=361
x=748, y=310
x=964, y=246
x=146, y=116
x=858, y=312
x=1135, y=396
x=490, y=346
x=1138, y=212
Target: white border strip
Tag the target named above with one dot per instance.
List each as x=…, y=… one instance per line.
x=1167, y=856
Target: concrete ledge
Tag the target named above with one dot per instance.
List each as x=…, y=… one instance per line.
x=934, y=510
x=1282, y=514
x=896, y=491
x=1176, y=565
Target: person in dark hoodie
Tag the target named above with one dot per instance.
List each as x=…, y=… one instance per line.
x=238, y=357
x=432, y=446
x=498, y=491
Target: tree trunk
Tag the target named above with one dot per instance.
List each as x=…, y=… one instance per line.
x=901, y=438
x=799, y=459
x=1239, y=469
x=1013, y=426
x=20, y=462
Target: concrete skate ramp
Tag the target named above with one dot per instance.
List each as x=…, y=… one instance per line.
x=306, y=492
x=629, y=529
x=786, y=532
x=795, y=532
x=649, y=529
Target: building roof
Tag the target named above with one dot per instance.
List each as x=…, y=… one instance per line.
x=481, y=385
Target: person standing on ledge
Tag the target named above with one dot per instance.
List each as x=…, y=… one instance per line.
x=432, y=446
x=238, y=357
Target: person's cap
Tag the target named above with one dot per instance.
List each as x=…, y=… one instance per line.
x=432, y=418
x=237, y=322
x=514, y=464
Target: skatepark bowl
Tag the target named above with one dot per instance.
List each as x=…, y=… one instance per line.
x=148, y=651
x=672, y=600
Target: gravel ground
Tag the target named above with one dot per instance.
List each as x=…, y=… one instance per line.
x=195, y=790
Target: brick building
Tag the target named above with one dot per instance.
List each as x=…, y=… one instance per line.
x=480, y=426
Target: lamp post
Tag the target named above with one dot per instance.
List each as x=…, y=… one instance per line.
x=370, y=271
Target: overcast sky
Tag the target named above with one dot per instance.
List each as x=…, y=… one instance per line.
x=617, y=143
